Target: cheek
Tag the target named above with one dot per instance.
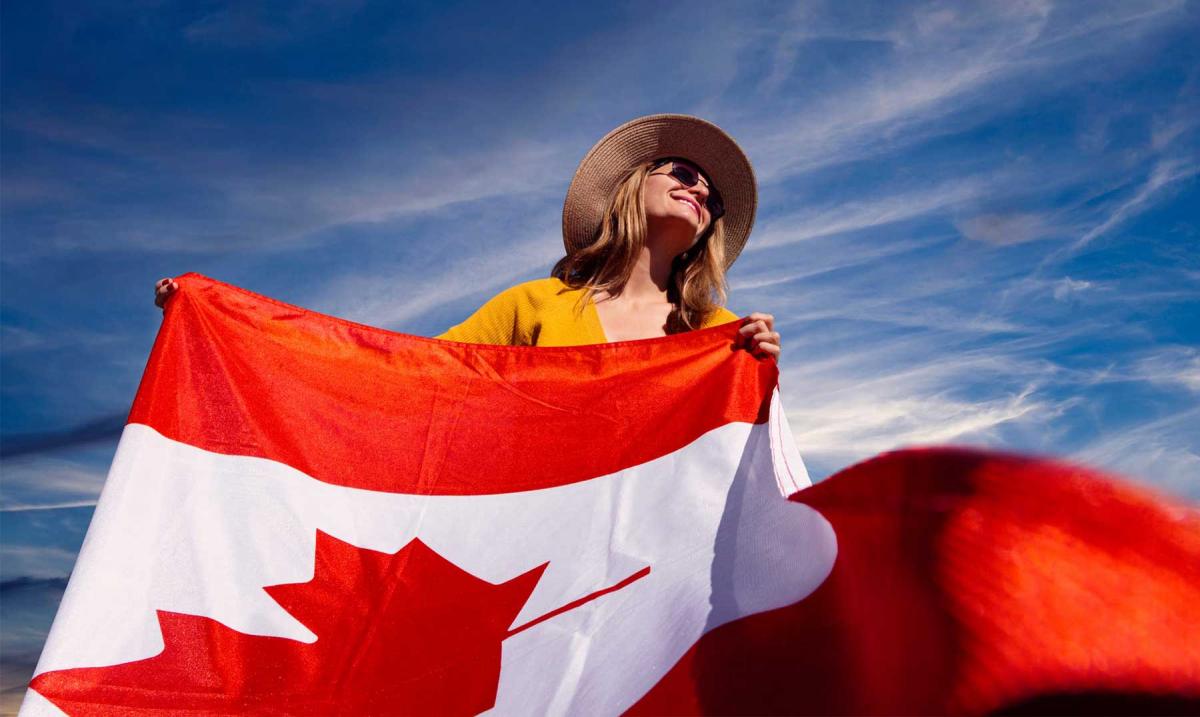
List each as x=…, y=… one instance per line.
x=654, y=195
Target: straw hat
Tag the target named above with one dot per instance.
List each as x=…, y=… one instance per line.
x=656, y=137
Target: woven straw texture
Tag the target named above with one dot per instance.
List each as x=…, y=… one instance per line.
x=655, y=137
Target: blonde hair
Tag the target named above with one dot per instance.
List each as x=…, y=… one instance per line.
x=697, y=284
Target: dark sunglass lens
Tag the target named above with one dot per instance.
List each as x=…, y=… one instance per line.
x=716, y=207
x=684, y=174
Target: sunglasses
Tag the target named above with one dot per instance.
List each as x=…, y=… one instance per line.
x=688, y=176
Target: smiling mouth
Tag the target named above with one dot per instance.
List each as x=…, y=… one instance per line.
x=693, y=205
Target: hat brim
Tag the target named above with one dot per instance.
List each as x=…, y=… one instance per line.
x=656, y=137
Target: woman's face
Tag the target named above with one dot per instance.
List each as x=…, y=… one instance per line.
x=668, y=202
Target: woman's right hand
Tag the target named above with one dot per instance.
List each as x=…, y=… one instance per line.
x=163, y=291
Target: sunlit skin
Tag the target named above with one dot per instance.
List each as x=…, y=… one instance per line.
x=676, y=218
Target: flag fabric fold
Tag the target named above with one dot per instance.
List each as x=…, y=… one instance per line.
x=971, y=582
x=281, y=469
x=310, y=516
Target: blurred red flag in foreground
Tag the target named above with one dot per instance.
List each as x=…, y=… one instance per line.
x=970, y=582
x=310, y=516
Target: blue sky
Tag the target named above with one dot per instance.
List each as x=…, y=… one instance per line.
x=977, y=222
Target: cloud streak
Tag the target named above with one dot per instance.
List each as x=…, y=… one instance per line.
x=36, y=482
x=48, y=506
x=857, y=215
x=105, y=428
x=1164, y=174
x=941, y=69
x=974, y=218
x=1159, y=451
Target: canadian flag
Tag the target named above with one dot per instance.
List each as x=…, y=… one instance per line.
x=310, y=516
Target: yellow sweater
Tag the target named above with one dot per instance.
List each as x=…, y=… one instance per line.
x=543, y=312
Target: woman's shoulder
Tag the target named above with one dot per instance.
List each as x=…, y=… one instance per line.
x=549, y=286
x=542, y=293
x=720, y=316
x=513, y=316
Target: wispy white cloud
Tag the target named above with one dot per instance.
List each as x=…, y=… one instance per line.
x=395, y=296
x=36, y=561
x=1165, y=173
x=941, y=69
x=34, y=481
x=19, y=508
x=1178, y=122
x=859, y=214
x=1172, y=366
x=1032, y=289
x=934, y=62
x=1160, y=451
x=519, y=168
x=256, y=206
x=255, y=25
x=853, y=392
x=856, y=424
x=1165, y=367
x=885, y=103
x=889, y=394
x=1082, y=24
x=17, y=339
x=1066, y=287
x=821, y=259
x=920, y=72
x=916, y=162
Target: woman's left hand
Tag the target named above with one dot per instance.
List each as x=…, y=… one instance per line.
x=760, y=335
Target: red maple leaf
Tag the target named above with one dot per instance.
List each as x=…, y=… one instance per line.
x=399, y=633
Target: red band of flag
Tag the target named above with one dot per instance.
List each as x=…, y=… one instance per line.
x=351, y=395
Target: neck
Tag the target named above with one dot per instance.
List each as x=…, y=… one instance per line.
x=651, y=275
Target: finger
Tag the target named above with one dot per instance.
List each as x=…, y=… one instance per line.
x=163, y=290
x=765, y=340
x=767, y=321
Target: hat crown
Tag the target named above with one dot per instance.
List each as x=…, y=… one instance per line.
x=656, y=137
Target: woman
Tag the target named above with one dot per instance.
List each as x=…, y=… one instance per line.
x=657, y=211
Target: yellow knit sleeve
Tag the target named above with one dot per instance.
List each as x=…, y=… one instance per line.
x=504, y=321
x=720, y=316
